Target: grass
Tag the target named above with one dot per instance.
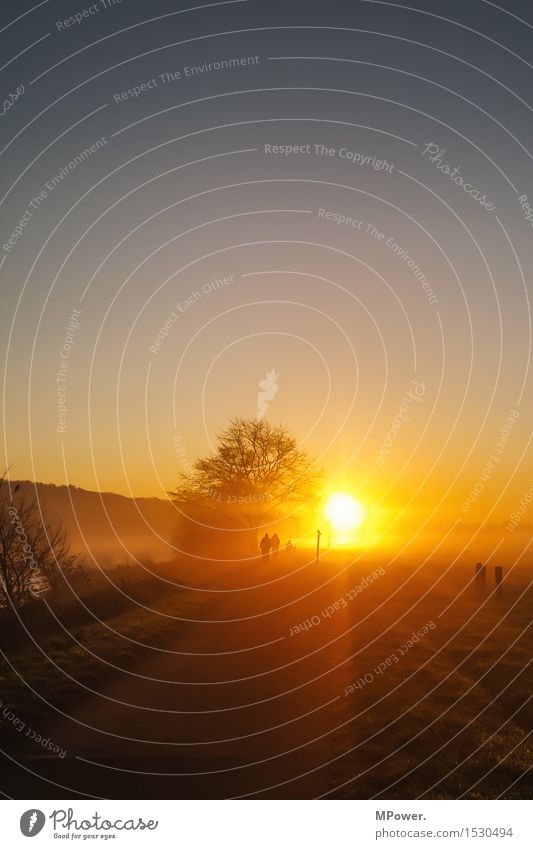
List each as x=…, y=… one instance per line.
x=453, y=717
x=81, y=650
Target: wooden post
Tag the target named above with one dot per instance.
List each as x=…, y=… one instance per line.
x=481, y=576
x=498, y=579
x=318, y=535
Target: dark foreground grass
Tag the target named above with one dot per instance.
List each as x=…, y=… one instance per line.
x=453, y=717
x=62, y=651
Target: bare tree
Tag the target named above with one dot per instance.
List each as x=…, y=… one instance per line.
x=256, y=467
x=33, y=553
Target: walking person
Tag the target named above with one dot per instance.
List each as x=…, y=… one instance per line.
x=265, y=546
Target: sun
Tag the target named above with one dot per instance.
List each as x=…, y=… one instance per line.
x=345, y=515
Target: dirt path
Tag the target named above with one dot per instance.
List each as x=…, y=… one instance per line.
x=235, y=706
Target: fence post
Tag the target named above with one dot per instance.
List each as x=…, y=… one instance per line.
x=481, y=576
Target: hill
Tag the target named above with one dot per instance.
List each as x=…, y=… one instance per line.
x=109, y=526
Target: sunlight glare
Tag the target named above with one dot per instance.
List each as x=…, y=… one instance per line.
x=345, y=515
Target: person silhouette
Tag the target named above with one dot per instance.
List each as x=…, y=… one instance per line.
x=265, y=545
x=289, y=546
x=275, y=543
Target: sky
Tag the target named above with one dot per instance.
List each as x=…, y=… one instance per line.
x=195, y=196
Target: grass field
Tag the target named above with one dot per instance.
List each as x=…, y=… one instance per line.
x=453, y=717
x=447, y=713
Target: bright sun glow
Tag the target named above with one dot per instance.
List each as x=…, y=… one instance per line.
x=345, y=514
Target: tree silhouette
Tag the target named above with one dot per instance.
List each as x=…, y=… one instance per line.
x=33, y=553
x=257, y=471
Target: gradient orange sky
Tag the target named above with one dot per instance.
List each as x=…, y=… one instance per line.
x=190, y=222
